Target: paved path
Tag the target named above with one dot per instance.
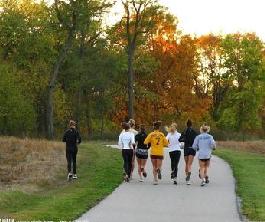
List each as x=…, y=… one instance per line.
x=144, y=202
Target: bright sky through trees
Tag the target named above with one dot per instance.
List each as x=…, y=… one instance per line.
x=217, y=16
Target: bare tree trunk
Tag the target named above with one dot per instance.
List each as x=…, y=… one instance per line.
x=54, y=75
x=131, y=96
x=88, y=119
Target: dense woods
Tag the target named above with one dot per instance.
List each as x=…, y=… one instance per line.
x=60, y=61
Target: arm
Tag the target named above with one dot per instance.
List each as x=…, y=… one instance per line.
x=64, y=137
x=182, y=137
x=147, y=139
x=133, y=139
x=213, y=144
x=79, y=140
x=167, y=137
x=165, y=141
x=195, y=145
x=120, y=141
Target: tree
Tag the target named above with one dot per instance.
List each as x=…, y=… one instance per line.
x=138, y=22
x=74, y=17
x=17, y=115
x=244, y=65
x=213, y=79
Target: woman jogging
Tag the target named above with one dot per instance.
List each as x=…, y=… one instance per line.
x=71, y=137
x=174, y=150
x=141, y=152
x=188, y=137
x=205, y=144
x=126, y=143
x=158, y=141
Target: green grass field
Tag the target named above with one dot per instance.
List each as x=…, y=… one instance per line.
x=249, y=171
x=99, y=171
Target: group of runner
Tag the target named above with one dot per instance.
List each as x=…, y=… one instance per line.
x=134, y=143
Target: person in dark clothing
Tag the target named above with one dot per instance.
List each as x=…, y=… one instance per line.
x=188, y=137
x=71, y=138
x=141, y=152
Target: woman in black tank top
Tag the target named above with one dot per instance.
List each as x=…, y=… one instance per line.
x=141, y=152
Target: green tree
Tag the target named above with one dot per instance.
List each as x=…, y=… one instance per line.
x=244, y=65
x=137, y=23
x=17, y=115
x=74, y=17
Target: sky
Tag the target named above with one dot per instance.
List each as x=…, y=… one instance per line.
x=213, y=16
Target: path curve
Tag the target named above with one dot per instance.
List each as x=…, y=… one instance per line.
x=166, y=202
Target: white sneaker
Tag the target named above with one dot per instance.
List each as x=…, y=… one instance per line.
x=188, y=182
x=203, y=182
x=74, y=176
x=141, y=180
x=155, y=182
x=69, y=176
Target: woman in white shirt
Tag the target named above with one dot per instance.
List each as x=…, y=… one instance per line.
x=126, y=143
x=174, y=150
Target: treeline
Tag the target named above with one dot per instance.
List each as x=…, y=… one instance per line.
x=60, y=61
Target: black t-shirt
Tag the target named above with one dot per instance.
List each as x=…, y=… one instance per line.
x=188, y=137
x=139, y=139
x=71, y=138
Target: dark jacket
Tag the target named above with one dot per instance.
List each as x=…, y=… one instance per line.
x=139, y=139
x=71, y=137
x=188, y=137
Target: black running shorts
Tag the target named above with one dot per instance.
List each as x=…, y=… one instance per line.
x=204, y=160
x=189, y=152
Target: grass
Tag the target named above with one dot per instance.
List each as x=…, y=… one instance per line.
x=249, y=171
x=29, y=165
x=257, y=146
x=99, y=171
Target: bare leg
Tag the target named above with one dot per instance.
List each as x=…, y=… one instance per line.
x=159, y=164
x=190, y=161
x=202, y=169
x=154, y=163
x=186, y=164
x=143, y=163
x=139, y=168
x=207, y=165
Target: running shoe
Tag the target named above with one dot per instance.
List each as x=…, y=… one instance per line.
x=207, y=179
x=75, y=176
x=144, y=174
x=175, y=181
x=126, y=179
x=155, y=182
x=188, y=179
x=159, y=174
x=188, y=176
x=69, y=176
x=203, y=183
x=141, y=180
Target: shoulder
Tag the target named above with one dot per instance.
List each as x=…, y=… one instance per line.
x=161, y=134
x=67, y=131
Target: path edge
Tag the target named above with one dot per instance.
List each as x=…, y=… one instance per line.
x=239, y=201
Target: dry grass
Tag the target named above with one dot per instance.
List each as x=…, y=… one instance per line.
x=249, y=146
x=28, y=164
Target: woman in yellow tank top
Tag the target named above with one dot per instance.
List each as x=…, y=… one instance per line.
x=158, y=141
